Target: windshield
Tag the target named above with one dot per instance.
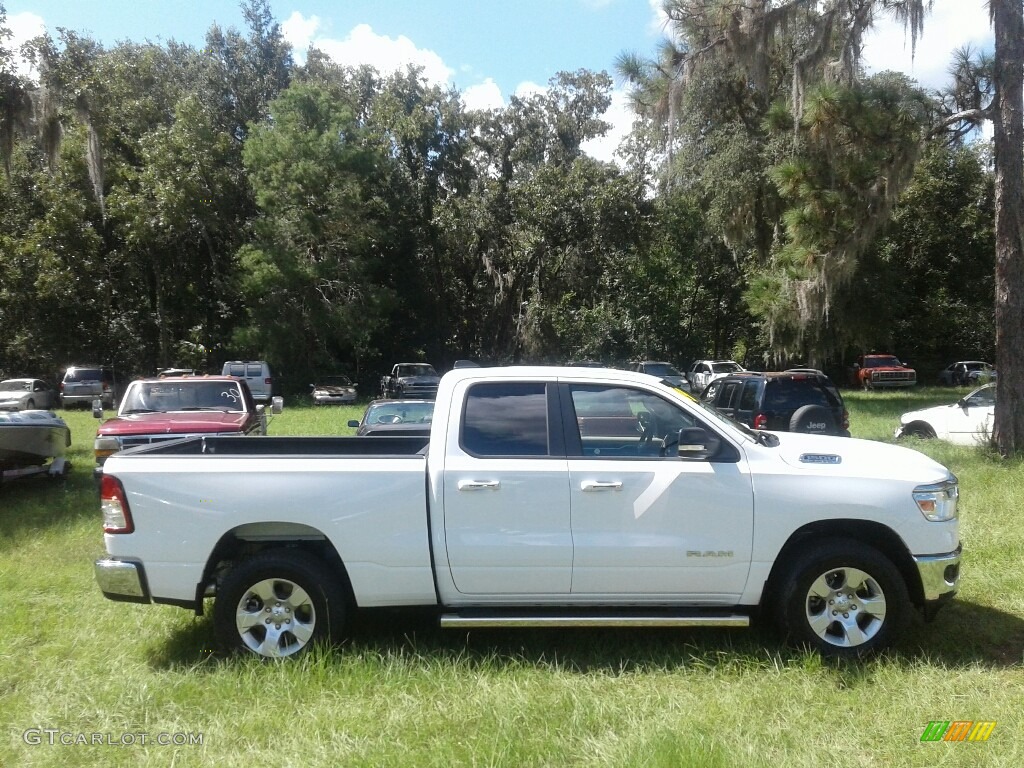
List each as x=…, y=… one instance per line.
x=15, y=386
x=726, y=367
x=167, y=396
x=981, y=398
x=335, y=381
x=661, y=369
x=83, y=374
x=882, y=362
x=416, y=370
x=399, y=413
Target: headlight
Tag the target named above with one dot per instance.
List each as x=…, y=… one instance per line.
x=937, y=501
x=105, y=446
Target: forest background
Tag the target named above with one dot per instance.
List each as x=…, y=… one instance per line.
x=164, y=205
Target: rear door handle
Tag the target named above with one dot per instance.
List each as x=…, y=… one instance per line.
x=601, y=485
x=479, y=485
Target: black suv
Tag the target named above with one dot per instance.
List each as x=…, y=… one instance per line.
x=787, y=401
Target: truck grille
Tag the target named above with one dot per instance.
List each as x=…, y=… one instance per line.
x=425, y=391
x=892, y=376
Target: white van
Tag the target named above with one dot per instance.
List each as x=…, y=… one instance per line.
x=256, y=374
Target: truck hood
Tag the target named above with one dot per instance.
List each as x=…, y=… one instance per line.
x=857, y=458
x=174, y=423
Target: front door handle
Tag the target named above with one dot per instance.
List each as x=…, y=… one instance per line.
x=601, y=485
x=479, y=485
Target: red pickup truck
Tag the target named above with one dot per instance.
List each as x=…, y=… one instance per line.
x=878, y=371
x=169, y=408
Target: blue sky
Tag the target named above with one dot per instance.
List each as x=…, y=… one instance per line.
x=488, y=49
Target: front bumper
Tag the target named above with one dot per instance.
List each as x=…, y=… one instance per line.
x=122, y=580
x=333, y=399
x=940, y=575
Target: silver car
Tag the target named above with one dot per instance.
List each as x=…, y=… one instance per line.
x=26, y=395
x=84, y=383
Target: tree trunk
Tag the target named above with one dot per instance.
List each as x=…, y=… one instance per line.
x=1008, y=21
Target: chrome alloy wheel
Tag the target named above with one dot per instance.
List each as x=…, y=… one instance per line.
x=845, y=607
x=275, y=618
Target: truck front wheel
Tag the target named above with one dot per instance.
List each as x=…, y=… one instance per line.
x=277, y=604
x=844, y=599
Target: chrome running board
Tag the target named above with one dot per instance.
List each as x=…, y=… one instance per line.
x=496, y=619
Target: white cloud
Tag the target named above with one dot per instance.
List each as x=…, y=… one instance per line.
x=485, y=95
x=24, y=26
x=386, y=54
x=527, y=88
x=299, y=32
x=620, y=116
x=658, y=17
x=951, y=25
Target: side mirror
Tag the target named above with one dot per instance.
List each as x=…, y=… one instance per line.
x=97, y=409
x=697, y=444
x=353, y=423
x=276, y=404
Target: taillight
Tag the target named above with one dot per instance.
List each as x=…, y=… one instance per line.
x=117, y=517
x=267, y=381
x=760, y=421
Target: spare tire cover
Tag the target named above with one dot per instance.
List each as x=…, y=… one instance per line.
x=813, y=419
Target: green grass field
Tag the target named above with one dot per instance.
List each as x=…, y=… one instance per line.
x=76, y=668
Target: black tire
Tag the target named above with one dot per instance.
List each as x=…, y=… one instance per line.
x=277, y=604
x=813, y=420
x=30, y=405
x=843, y=599
x=919, y=432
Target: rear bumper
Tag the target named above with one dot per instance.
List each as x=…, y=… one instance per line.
x=940, y=575
x=122, y=580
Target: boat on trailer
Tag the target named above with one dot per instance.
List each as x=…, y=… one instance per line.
x=32, y=443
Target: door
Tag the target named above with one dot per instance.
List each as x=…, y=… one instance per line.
x=648, y=527
x=971, y=423
x=506, y=494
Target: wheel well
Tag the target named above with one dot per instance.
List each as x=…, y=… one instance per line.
x=922, y=426
x=248, y=540
x=873, y=534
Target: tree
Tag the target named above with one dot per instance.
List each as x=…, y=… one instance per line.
x=312, y=276
x=1008, y=76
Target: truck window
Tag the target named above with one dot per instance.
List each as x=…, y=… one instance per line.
x=506, y=419
x=619, y=421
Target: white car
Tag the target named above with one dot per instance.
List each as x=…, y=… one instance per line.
x=703, y=372
x=26, y=395
x=968, y=421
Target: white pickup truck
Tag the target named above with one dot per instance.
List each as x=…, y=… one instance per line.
x=543, y=497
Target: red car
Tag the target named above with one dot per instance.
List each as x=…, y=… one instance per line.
x=170, y=408
x=878, y=371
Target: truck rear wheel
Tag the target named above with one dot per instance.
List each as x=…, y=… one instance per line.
x=277, y=604
x=843, y=599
